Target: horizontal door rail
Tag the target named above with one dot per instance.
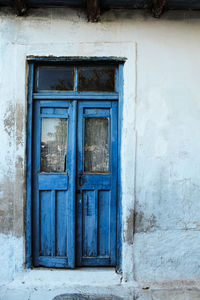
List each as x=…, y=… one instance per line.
x=75, y=96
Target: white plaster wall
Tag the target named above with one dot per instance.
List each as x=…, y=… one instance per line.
x=160, y=134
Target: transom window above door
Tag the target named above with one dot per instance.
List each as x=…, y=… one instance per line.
x=100, y=78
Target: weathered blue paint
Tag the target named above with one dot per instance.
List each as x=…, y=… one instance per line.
x=54, y=196
x=90, y=189
x=97, y=199
x=29, y=170
x=75, y=95
x=119, y=195
x=72, y=173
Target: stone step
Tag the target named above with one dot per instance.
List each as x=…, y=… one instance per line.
x=86, y=297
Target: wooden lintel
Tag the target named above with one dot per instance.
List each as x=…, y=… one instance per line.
x=93, y=10
x=20, y=6
x=158, y=7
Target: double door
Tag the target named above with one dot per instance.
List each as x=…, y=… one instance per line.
x=74, y=183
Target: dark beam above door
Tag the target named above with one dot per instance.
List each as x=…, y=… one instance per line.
x=107, y=4
x=158, y=7
x=20, y=7
x=93, y=10
x=94, y=7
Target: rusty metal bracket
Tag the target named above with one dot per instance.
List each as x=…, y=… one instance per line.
x=20, y=7
x=158, y=7
x=93, y=10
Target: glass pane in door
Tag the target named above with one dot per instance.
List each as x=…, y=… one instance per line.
x=96, y=145
x=53, y=145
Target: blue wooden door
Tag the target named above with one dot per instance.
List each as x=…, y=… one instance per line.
x=96, y=183
x=54, y=158
x=74, y=183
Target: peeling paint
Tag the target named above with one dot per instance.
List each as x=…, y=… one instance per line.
x=9, y=120
x=19, y=196
x=19, y=125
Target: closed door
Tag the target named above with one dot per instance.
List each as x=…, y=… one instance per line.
x=54, y=183
x=74, y=183
x=96, y=183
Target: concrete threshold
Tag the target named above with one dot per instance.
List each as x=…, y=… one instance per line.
x=88, y=283
x=46, y=284
x=59, y=277
x=91, y=284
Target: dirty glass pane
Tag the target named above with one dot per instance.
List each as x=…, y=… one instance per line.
x=53, y=145
x=99, y=79
x=96, y=145
x=50, y=78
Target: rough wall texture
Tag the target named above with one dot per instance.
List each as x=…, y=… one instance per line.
x=160, y=134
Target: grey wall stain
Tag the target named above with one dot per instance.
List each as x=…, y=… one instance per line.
x=19, y=125
x=12, y=188
x=19, y=196
x=6, y=205
x=2, y=213
x=9, y=120
x=12, y=195
x=144, y=223
x=128, y=234
x=138, y=222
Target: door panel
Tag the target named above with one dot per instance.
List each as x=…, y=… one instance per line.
x=54, y=183
x=96, y=183
x=96, y=145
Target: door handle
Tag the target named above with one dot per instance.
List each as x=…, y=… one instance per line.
x=66, y=170
x=65, y=163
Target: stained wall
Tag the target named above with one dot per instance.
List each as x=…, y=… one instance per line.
x=160, y=132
